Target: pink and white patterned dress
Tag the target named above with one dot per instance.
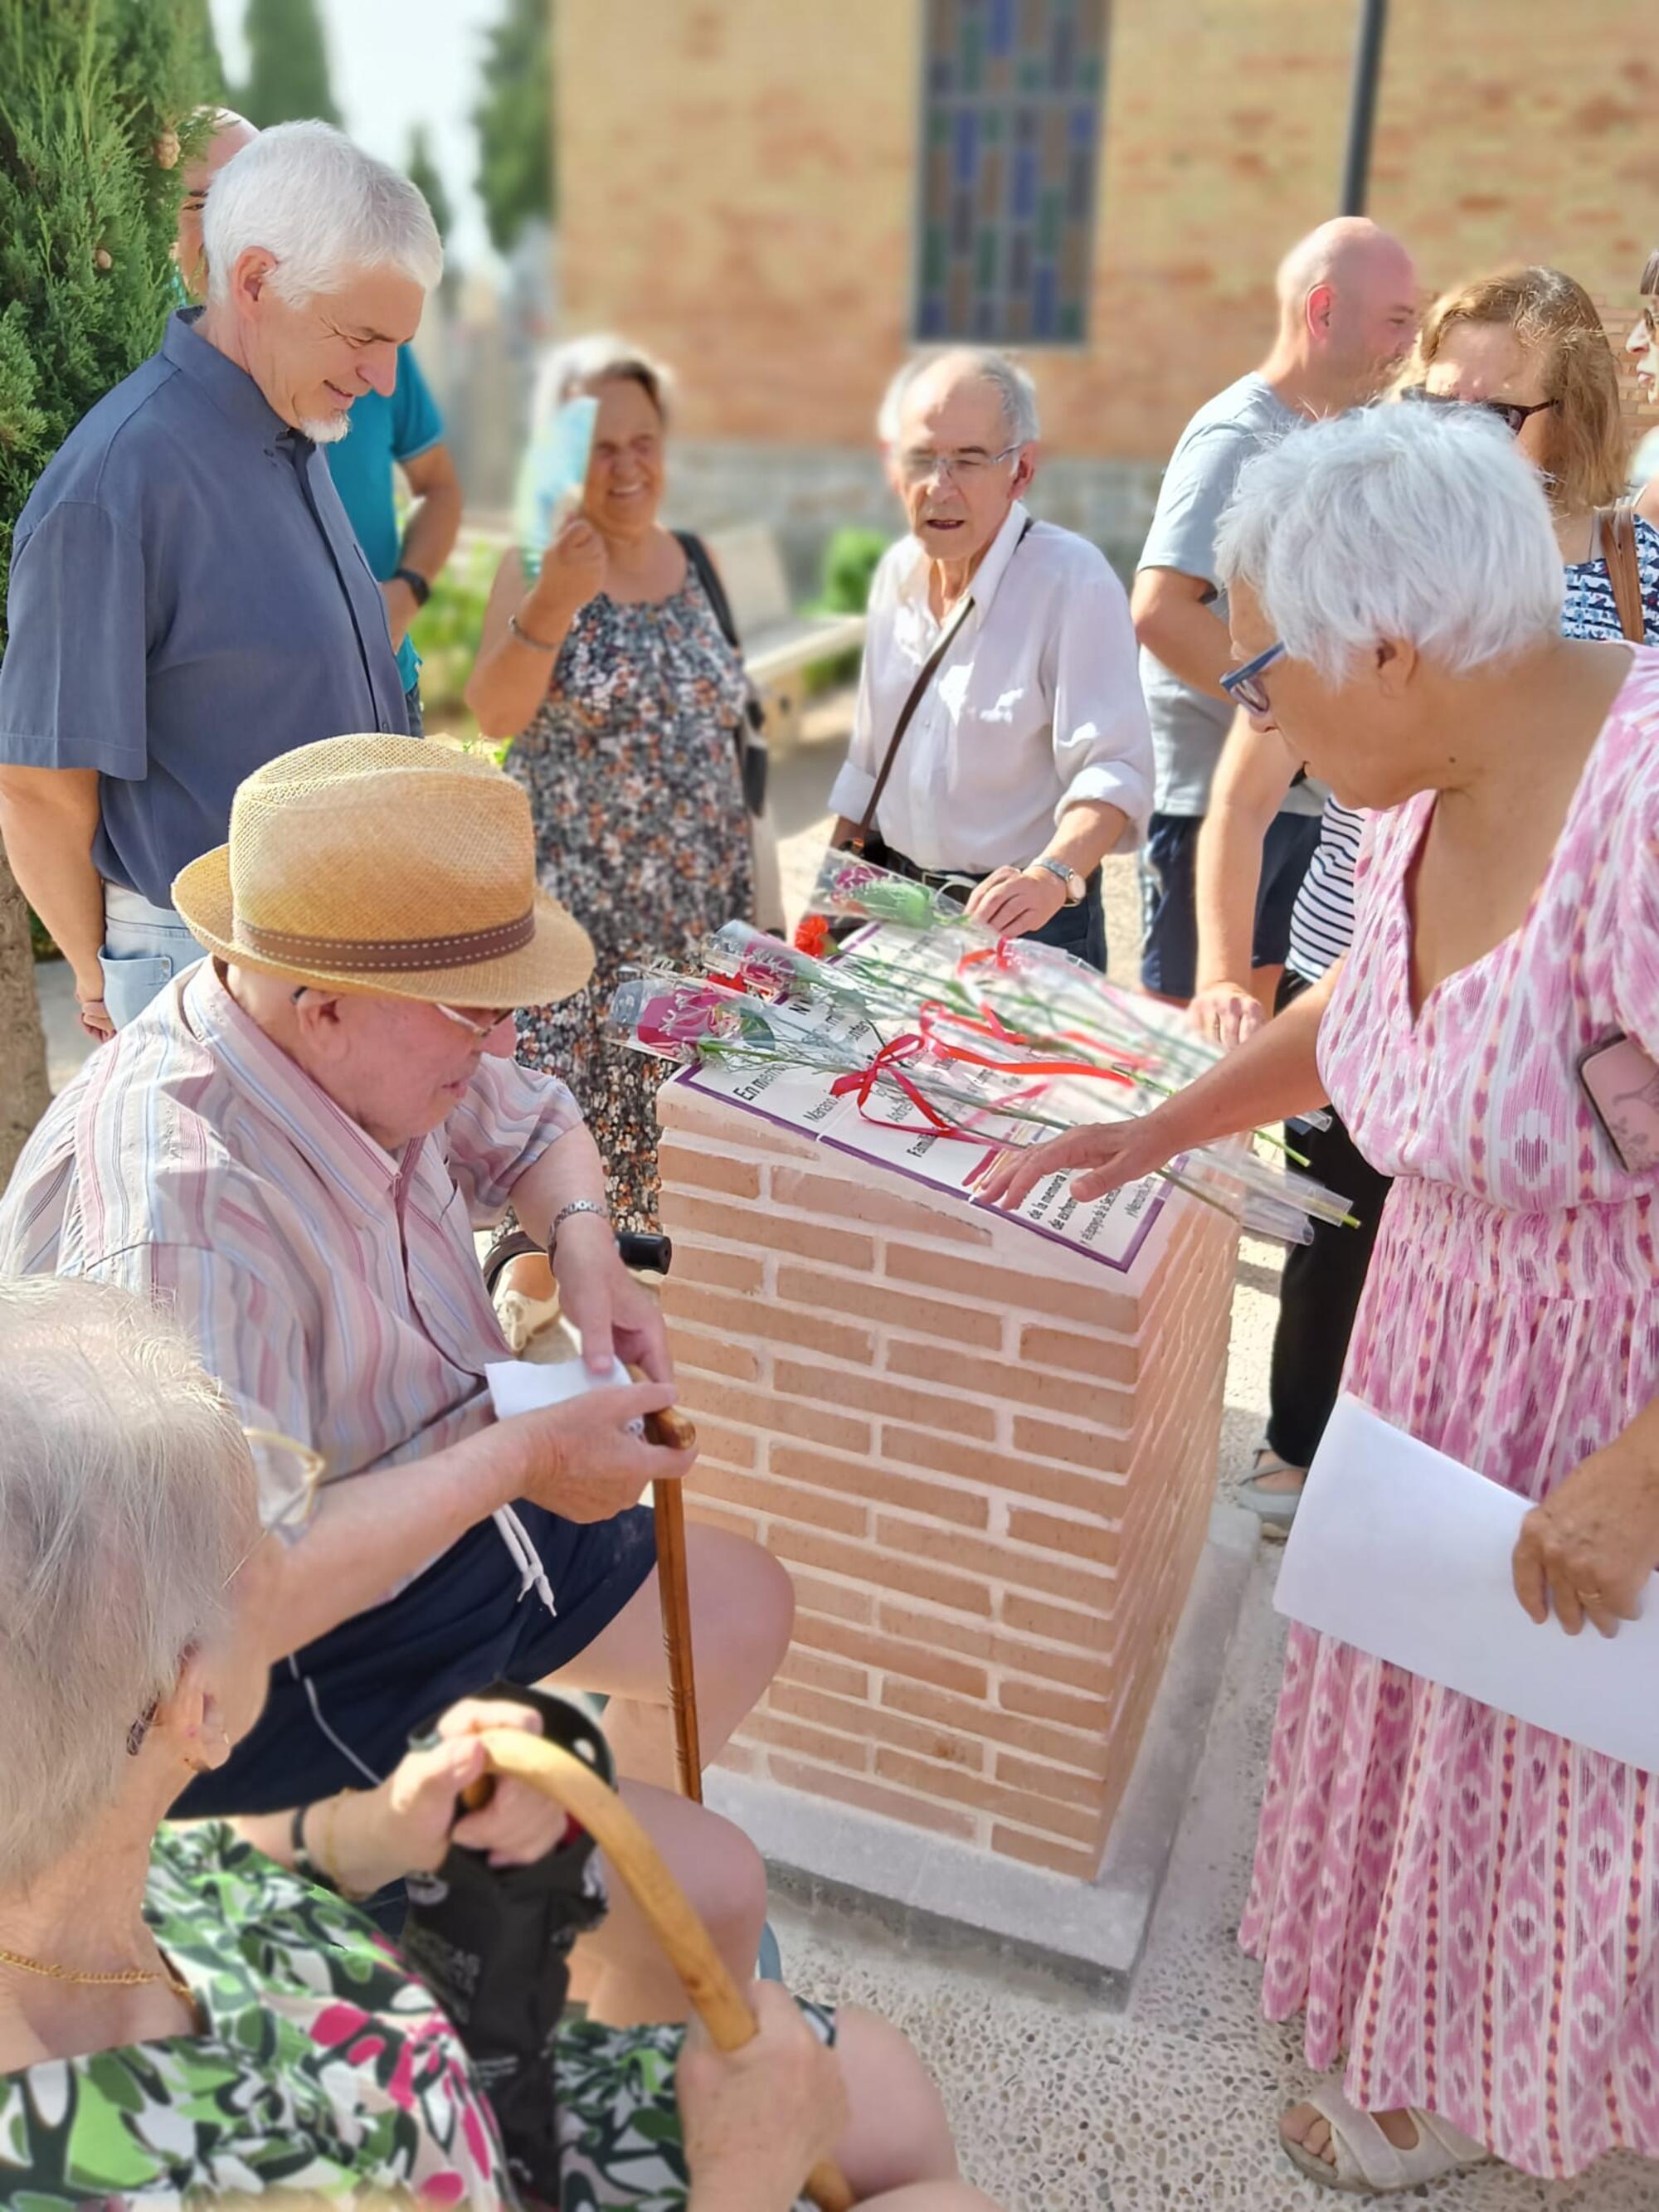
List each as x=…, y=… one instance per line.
x=1466, y=1905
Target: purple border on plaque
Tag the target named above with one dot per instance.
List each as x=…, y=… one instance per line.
x=689, y=1076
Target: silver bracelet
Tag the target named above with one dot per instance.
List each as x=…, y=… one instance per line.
x=576, y=1205
x=536, y=644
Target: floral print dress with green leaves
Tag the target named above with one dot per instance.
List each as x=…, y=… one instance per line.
x=322, y=2069
x=322, y=2066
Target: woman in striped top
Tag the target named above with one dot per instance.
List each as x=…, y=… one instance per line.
x=1528, y=346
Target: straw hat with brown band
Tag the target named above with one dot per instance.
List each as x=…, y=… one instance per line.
x=392, y=866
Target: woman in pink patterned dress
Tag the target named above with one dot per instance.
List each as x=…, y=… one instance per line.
x=1463, y=1904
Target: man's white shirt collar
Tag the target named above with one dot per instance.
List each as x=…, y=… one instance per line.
x=913, y=583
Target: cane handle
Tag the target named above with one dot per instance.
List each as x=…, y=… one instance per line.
x=670, y=1429
x=718, y=2000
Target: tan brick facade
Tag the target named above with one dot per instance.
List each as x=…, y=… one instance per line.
x=988, y=1463
x=737, y=183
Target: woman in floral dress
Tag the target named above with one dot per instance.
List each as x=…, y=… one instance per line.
x=1464, y=1905
x=185, y=2019
x=625, y=702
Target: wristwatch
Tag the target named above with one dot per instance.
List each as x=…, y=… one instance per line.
x=1076, y=890
x=416, y=583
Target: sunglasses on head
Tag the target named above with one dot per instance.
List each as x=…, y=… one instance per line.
x=1508, y=411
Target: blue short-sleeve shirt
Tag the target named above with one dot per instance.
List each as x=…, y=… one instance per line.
x=187, y=600
x=383, y=431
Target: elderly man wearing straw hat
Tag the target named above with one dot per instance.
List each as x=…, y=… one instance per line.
x=292, y=1145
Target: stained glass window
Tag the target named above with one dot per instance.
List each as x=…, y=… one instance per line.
x=1011, y=128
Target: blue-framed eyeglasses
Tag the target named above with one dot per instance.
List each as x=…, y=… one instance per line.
x=1241, y=684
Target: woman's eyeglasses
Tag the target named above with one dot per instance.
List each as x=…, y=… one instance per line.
x=1510, y=413
x=1242, y=686
x=289, y=1475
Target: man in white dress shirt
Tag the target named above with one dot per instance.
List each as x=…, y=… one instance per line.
x=1028, y=758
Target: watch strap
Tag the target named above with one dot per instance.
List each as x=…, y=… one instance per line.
x=416, y=583
x=304, y=1864
x=1066, y=877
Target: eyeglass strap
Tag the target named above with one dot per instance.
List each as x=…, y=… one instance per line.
x=929, y=669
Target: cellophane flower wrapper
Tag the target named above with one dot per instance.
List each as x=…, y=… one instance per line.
x=997, y=1040
x=688, y=1018
x=855, y=889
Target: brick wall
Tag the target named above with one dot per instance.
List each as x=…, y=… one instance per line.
x=988, y=1464
x=738, y=187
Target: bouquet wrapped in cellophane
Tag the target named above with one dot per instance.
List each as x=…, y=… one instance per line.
x=924, y=1024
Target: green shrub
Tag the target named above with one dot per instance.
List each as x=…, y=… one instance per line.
x=850, y=560
x=446, y=632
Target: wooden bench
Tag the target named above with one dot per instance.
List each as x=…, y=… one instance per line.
x=777, y=642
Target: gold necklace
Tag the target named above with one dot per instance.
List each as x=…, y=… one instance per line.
x=128, y=1977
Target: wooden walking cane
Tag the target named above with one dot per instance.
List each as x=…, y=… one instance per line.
x=672, y=1430
x=719, y=2002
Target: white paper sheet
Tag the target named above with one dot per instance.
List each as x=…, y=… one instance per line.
x=1405, y=1553
x=524, y=1386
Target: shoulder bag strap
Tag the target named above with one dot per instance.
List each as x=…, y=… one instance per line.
x=714, y=591
x=1617, y=538
x=748, y=733
x=925, y=676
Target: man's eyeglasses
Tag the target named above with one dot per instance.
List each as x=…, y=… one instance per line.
x=962, y=468
x=1242, y=686
x=289, y=1475
x=1508, y=411
x=481, y=1029
x=482, y=1021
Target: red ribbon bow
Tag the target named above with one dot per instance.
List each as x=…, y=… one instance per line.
x=863, y=1080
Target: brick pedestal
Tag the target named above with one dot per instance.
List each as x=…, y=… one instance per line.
x=988, y=1461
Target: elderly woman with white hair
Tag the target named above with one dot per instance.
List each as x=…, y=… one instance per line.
x=182, y=2016
x=611, y=672
x=1465, y=1904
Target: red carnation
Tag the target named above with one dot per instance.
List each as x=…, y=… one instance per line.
x=812, y=935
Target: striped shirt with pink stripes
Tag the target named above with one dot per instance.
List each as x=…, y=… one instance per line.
x=332, y=1287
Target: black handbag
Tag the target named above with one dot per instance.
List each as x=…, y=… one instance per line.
x=754, y=759
x=493, y=1943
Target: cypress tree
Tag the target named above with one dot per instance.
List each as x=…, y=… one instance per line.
x=93, y=95
x=287, y=64
x=424, y=173
x=514, y=122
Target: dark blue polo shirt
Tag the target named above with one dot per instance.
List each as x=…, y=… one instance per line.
x=188, y=601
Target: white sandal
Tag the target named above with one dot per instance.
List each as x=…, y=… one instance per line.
x=1367, y=2163
x=1276, y=1508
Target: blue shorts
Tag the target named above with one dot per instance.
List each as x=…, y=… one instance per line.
x=1169, y=912
x=370, y=1684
